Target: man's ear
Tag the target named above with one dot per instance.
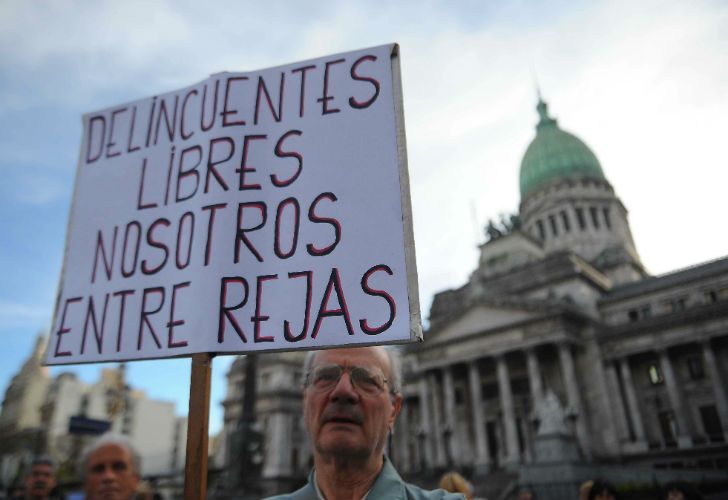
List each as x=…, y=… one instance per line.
x=396, y=407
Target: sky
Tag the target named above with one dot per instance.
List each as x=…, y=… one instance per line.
x=642, y=83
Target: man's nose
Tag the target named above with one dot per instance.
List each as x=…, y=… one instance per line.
x=108, y=474
x=344, y=390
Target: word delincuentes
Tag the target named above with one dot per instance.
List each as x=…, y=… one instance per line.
x=210, y=105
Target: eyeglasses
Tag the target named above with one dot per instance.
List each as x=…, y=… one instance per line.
x=366, y=382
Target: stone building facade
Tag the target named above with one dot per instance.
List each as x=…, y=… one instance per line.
x=559, y=310
x=20, y=430
x=37, y=410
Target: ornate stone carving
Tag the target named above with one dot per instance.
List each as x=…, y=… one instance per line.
x=551, y=416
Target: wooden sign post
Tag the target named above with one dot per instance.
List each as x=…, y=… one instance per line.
x=198, y=427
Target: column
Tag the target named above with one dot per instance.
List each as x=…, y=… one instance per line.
x=426, y=423
x=633, y=409
x=402, y=439
x=437, y=420
x=534, y=377
x=716, y=381
x=673, y=393
x=482, y=458
x=616, y=402
x=277, y=462
x=524, y=425
x=574, y=399
x=509, y=419
x=453, y=443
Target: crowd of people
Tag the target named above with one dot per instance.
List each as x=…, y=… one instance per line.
x=351, y=400
x=110, y=469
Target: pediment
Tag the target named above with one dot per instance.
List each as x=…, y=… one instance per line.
x=482, y=318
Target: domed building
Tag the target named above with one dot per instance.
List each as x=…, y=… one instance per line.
x=560, y=360
x=568, y=204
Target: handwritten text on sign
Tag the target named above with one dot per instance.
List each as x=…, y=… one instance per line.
x=252, y=211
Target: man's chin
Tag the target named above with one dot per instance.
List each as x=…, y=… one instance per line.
x=108, y=494
x=338, y=444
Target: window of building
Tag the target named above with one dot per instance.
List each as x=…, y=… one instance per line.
x=607, y=218
x=711, y=423
x=489, y=391
x=580, y=218
x=520, y=386
x=711, y=296
x=565, y=221
x=695, y=367
x=655, y=375
x=646, y=311
x=554, y=228
x=541, y=229
x=638, y=313
x=594, y=216
x=677, y=304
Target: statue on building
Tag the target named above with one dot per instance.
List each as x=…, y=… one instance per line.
x=492, y=231
x=551, y=415
x=506, y=224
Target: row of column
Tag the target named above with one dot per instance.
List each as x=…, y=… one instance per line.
x=629, y=416
x=435, y=427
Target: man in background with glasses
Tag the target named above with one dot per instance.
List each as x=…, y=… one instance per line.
x=351, y=399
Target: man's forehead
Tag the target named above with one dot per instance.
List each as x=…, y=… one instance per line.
x=356, y=356
x=110, y=450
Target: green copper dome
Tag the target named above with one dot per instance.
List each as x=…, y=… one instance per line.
x=555, y=154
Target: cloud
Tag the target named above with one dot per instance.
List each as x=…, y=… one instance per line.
x=41, y=190
x=14, y=314
x=615, y=72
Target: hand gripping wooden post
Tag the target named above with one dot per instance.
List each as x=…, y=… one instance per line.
x=198, y=427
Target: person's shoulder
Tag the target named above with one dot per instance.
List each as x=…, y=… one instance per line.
x=417, y=493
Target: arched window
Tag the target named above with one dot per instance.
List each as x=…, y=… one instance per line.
x=580, y=218
x=554, y=227
x=607, y=219
x=594, y=216
x=565, y=221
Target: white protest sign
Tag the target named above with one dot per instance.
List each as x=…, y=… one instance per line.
x=252, y=211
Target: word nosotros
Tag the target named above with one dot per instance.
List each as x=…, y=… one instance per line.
x=242, y=313
x=231, y=101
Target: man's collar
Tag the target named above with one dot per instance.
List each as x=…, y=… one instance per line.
x=388, y=484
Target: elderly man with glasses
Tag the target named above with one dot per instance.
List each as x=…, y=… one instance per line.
x=351, y=399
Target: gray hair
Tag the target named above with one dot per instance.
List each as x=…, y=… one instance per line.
x=116, y=439
x=395, y=368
